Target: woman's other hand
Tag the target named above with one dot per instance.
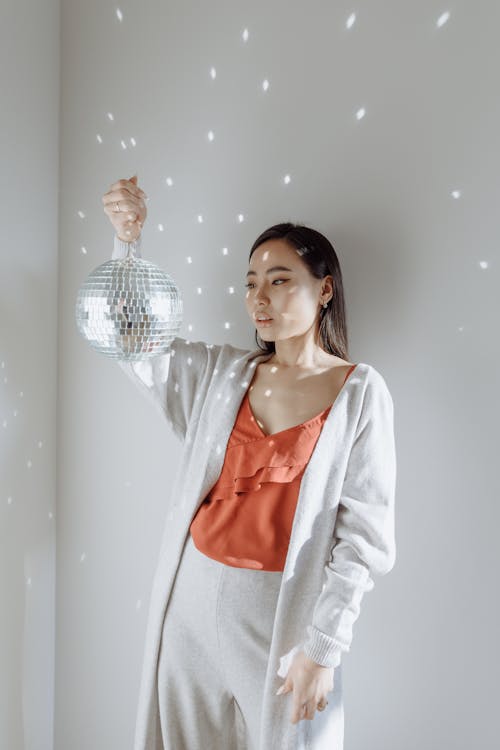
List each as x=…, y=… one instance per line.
x=310, y=682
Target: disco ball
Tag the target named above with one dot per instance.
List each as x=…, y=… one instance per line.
x=129, y=309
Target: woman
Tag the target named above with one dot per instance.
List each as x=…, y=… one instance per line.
x=281, y=511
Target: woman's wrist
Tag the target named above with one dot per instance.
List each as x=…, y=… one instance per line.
x=129, y=239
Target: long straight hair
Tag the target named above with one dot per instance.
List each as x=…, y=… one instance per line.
x=318, y=254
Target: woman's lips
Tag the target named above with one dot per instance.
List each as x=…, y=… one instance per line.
x=264, y=322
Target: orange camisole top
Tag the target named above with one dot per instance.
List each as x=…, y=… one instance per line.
x=246, y=519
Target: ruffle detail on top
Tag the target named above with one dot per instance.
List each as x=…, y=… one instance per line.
x=278, y=474
x=253, y=458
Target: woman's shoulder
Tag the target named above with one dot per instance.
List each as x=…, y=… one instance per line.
x=376, y=386
x=372, y=372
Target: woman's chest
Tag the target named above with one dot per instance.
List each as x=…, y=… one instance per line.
x=281, y=401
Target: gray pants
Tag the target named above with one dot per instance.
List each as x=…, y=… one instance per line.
x=214, y=653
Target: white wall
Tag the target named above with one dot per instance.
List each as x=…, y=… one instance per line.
x=420, y=266
x=29, y=175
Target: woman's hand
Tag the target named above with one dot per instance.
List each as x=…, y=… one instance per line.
x=126, y=196
x=310, y=683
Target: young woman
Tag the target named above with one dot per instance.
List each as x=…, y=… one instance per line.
x=281, y=511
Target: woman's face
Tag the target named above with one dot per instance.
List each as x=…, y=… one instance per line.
x=289, y=294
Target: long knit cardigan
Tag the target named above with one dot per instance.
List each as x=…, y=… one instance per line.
x=342, y=533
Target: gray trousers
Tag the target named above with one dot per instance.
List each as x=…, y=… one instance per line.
x=214, y=653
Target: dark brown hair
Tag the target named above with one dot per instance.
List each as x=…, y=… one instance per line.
x=320, y=257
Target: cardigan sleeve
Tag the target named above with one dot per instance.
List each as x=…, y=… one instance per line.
x=364, y=538
x=170, y=380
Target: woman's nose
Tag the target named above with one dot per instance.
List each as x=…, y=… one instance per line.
x=261, y=296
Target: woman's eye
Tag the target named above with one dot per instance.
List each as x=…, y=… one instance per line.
x=251, y=284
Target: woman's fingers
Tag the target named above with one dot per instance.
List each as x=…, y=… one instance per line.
x=122, y=195
x=126, y=201
x=131, y=202
x=306, y=709
x=126, y=207
x=128, y=185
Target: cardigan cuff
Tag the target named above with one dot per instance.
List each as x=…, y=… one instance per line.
x=120, y=248
x=322, y=649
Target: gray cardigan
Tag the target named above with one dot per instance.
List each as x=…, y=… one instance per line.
x=342, y=533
